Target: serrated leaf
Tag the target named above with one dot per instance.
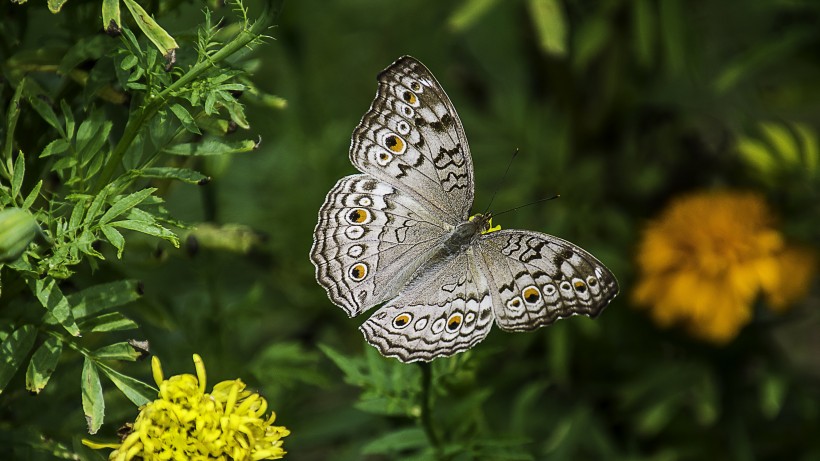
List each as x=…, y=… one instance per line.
x=118, y=351
x=93, y=402
x=550, y=23
x=77, y=214
x=149, y=229
x=114, y=238
x=126, y=203
x=137, y=391
x=13, y=350
x=104, y=296
x=397, y=441
x=180, y=174
x=113, y=321
x=213, y=147
x=185, y=118
x=92, y=135
x=51, y=297
x=58, y=146
x=42, y=364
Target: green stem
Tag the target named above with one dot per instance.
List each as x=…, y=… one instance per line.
x=156, y=103
x=426, y=421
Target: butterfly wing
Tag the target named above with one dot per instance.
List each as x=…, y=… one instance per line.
x=447, y=309
x=412, y=138
x=536, y=279
x=369, y=240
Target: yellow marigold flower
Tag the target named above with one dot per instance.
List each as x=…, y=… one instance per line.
x=185, y=423
x=709, y=255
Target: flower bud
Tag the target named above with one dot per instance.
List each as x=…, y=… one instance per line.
x=17, y=229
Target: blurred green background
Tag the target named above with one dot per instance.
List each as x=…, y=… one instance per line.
x=616, y=105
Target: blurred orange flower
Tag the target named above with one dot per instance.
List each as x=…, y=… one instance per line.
x=705, y=260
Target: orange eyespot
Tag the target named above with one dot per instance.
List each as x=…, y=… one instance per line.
x=531, y=295
x=580, y=286
x=402, y=320
x=409, y=96
x=516, y=302
x=394, y=143
x=358, y=271
x=358, y=216
x=454, y=322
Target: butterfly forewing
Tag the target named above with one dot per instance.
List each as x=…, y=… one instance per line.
x=369, y=240
x=412, y=138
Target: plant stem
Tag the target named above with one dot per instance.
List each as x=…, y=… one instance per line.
x=152, y=106
x=426, y=421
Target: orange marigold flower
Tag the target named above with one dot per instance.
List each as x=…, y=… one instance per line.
x=709, y=255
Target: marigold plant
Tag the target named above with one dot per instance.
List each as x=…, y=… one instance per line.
x=185, y=422
x=707, y=258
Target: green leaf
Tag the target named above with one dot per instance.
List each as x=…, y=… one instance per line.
x=118, y=351
x=137, y=391
x=93, y=402
x=468, y=13
x=772, y=395
x=32, y=196
x=149, y=229
x=112, y=24
x=782, y=141
x=104, y=296
x=69, y=119
x=18, y=175
x=47, y=113
x=644, y=31
x=213, y=147
x=126, y=203
x=185, y=117
x=180, y=174
x=51, y=297
x=13, y=350
x=811, y=147
x=397, y=441
x=42, y=364
x=58, y=146
x=56, y=5
x=756, y=154
x=92, y=135
x=114, y=238
x=158, y=36
x=350, y=367
x=95, y=208
x=113, y=321
x=550, y=23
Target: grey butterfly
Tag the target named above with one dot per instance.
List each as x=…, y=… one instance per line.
x=400, y=233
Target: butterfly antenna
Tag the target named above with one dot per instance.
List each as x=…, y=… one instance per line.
x=528, y=204
x=509, y=164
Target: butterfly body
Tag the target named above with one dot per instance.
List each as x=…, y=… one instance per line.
x=400, y=234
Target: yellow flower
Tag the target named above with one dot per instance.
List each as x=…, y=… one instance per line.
x=709, y=256
x=185, y=422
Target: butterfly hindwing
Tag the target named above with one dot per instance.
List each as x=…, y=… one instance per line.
x=366, y=241
x=537, y=279
x=412, y=137
x=446, y=310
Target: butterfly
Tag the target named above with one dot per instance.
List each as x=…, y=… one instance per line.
x=400, y=234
